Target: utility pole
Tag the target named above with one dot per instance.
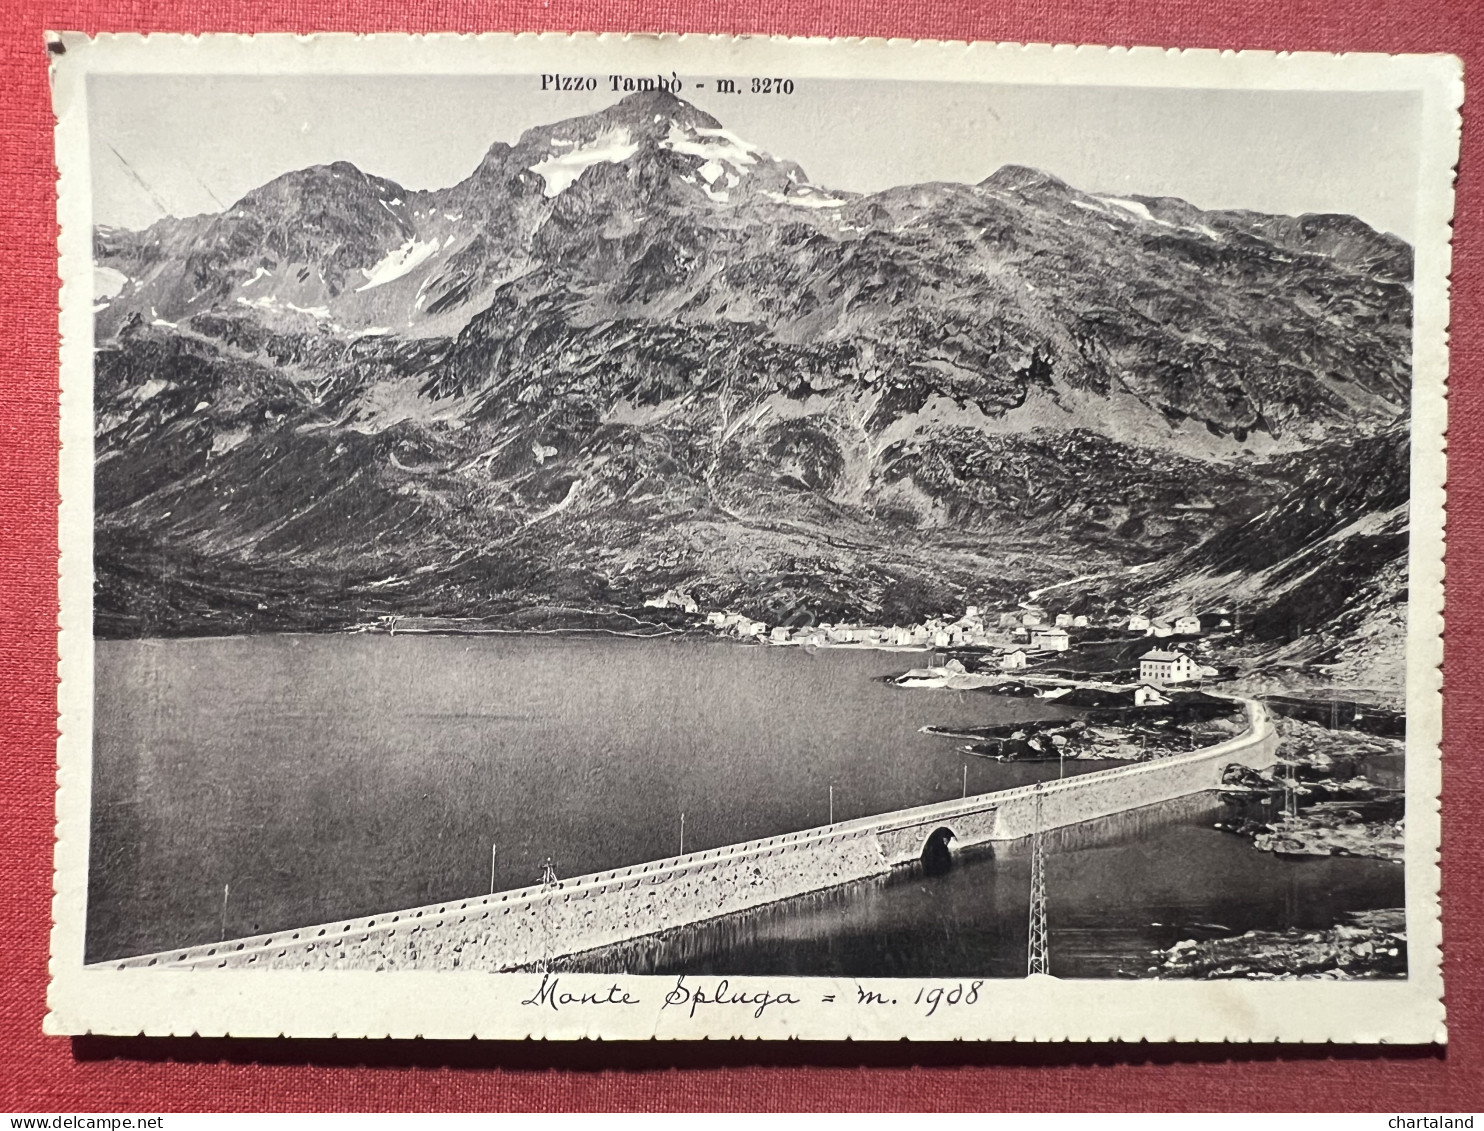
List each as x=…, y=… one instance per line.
x=682, y=832
x=966, y=780
x=1036, y=947
x=548, y=882
x=226, y=890
x=832, y=805
x=492, y=867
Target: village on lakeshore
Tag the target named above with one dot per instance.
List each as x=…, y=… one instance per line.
x=1030, y=636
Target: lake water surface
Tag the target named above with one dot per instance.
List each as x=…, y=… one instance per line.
x=325, y=777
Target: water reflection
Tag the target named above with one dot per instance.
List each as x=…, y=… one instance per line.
x=1117, y=889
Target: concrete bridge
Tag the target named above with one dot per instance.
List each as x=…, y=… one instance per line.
x=520, y=928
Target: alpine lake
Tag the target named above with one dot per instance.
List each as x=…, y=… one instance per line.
x=256, y=783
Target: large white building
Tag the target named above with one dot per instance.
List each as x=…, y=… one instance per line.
x=1159, y=666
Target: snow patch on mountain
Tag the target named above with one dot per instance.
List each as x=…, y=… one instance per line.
x=560, y=170
x=108, y=281
x=271, y=302
x=807, y=198
x=397, y=263
x=716, y=148
x=1132, y=207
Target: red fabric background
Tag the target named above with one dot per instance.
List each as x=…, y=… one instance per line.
x=49, y=1074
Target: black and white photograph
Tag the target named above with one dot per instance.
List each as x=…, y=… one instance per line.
x=746, y=530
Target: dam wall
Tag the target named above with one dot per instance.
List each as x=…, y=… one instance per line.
x=527, y=926
x=1143, y=783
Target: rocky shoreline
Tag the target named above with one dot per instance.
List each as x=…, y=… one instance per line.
x=1368, y=944
x=1331, y=803
x=1129, y=735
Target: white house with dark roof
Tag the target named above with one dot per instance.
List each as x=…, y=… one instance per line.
x=1161, y=667
x=1052, y=639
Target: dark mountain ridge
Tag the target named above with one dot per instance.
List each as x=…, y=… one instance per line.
x=631, y=350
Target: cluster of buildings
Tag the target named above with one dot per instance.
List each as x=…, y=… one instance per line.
x=1183, y=624
x=1015, y=634
x=1171, y=624
x=1015, y=638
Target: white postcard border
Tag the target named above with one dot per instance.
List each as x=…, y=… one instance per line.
x=461, y=1005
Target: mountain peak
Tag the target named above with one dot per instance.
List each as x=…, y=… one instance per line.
x=653, y=102
x=1020, y=177
x=652, y=112
x=645, y=118
x=325, y=184
x=657, y=130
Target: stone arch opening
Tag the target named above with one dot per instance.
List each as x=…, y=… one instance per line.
x=936, y=857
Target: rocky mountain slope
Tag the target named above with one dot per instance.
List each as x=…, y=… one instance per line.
x=632, y=350
x=1317, y=578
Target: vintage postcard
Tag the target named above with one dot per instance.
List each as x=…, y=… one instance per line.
x=627, y=537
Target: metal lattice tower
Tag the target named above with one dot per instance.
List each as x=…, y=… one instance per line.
x=1035, y=956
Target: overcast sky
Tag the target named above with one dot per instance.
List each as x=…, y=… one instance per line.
x=186, y=144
